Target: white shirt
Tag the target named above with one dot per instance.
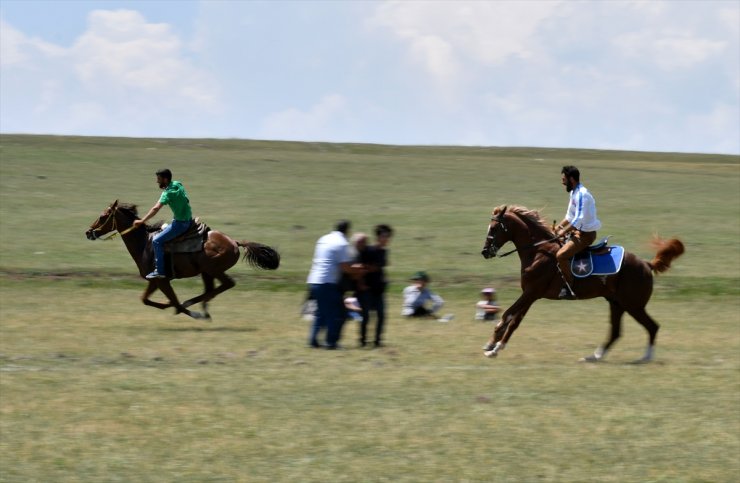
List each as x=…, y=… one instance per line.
x=582, y=210
x=414, y=297
x=331, y=251
x=480, y=312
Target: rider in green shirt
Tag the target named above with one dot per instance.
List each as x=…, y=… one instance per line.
x=176, y=198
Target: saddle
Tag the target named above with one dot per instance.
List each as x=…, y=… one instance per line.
x=190, y=241
x=598, y=259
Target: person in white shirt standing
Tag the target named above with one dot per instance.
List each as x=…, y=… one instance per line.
x=580, y=223
x=331, y=258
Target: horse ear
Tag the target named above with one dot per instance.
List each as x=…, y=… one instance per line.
x=503, y=210
x=114, y=204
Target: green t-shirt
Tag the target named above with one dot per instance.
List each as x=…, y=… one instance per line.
x=176, y=197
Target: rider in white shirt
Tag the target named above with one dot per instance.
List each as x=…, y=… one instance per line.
x=580, y=223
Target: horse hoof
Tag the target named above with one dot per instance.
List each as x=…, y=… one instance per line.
x=196, y=315
x=490, y=353
x=591, y=358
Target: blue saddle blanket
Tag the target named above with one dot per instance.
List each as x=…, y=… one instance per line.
x=589, y=263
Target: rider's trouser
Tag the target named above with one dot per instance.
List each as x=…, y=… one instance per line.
x=579, y=240
x=173, y=230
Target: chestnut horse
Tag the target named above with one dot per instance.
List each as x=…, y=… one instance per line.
x=219, y=253
x=628, y=290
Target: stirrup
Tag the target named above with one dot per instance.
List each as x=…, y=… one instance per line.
x=566, y=294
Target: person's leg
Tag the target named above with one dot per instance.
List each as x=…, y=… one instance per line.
x=563, y=256
x=364, y=298
x=380, y=310
x=171, y=231
x=334, y=310
x=578, y=242
x=319, y=320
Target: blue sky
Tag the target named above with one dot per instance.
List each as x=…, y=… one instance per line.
x=648, y=76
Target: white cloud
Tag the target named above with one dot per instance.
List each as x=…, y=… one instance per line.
x=121, y=50
x=17, y=49
x=118, y=71
x=317, y=123
x=668, y=49
x=442, y=35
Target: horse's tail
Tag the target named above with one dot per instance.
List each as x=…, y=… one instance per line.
x=259, y=255
x=668, y=250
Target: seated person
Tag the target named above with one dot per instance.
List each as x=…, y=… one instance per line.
x=487, y=308
x=419, y=301
x=353, y=308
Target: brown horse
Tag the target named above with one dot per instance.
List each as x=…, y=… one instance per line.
x=628, y=290
x=219, y=253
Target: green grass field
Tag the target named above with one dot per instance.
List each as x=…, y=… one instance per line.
x=94, y=386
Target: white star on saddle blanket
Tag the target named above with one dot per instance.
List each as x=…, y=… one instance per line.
x=582, y=266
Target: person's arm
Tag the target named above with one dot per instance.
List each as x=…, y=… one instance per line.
x=563, y=228
x=153, y=211
x=437, y=302
x=491, y=308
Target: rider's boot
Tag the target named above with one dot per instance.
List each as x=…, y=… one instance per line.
x=566, y=293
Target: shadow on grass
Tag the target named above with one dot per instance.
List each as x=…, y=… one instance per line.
x=207, y=329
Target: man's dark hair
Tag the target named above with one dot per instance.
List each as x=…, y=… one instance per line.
x=165, y=173
x=571, y=172
x=343, y=226
x=383, y=230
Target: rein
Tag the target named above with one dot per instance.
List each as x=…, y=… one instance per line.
x=116, y=233
x=541, y=242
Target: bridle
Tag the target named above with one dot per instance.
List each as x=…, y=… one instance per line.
x=113, y=232
x=490, y=250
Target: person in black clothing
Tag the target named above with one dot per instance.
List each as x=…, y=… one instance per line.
x=374, y=258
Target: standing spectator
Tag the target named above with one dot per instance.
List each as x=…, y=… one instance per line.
x=487, y=308
x=331, y=258
x=375, y=259
x=418, y=296
x=354, y=282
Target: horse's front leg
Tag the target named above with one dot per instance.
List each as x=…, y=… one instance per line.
x=169, y=292
x=509, y=323
x=150, y=289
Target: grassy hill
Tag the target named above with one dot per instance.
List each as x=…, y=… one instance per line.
x=96, y=387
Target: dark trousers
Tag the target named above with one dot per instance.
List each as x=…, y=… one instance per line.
x=329, y=313
x=376, y=302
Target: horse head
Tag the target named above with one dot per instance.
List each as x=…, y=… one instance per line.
x=497, y=234
x=104, y=224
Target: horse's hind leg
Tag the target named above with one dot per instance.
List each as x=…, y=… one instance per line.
x=208, y=284
x=616, y=311
x=226, y=283
x=651, y=326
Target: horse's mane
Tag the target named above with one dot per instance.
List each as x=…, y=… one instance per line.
x=131, y=209
x=531, y=217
